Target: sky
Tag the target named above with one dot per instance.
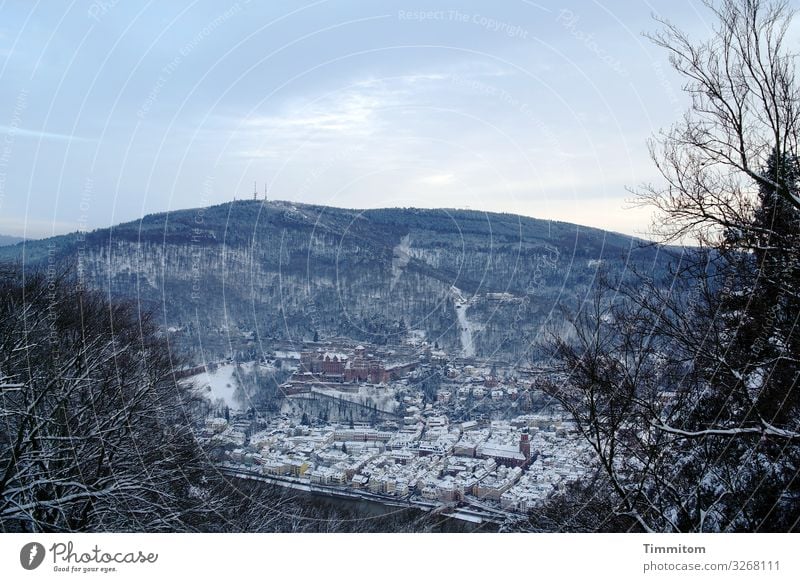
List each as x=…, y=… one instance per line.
x=110, y=110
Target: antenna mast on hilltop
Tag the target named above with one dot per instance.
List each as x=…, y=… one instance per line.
x=255, y=190
x=265, y=191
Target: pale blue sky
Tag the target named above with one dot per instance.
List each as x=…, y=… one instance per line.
x=111, y=110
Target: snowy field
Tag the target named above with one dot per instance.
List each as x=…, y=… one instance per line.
x=465, y=326
x=219, y=385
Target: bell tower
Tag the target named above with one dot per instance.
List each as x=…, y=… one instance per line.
x=525, y=444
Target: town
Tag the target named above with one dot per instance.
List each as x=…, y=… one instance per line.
x=405, y=425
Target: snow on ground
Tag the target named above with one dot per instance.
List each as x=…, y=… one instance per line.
x=400, y=259
x=220, y=384
x=415, y=337
x=284, y=355
x=383, y=397
x=465, y=326
x=457, y=293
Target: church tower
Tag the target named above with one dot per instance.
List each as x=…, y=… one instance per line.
x=525, y=444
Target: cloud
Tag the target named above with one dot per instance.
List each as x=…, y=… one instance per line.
x=330, y=121
x=371, y=108
x=614, y=213
x=352, y=112
x=438, y=139
x=438, y=179
x=44, y=135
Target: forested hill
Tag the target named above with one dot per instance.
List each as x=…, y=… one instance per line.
x=6, y=239
x=279, y=270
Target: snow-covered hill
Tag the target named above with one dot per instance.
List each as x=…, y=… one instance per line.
x=244, y=274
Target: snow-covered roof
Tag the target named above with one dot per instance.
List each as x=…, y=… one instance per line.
x=502, y=451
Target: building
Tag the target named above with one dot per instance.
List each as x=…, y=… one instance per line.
x=338, y=366
x=525, y=444
x=494, y=485
x=297, y=467
x=508, y=455
x=324, y=363
x=359, y=482
x=361, y=369
x=465, y=449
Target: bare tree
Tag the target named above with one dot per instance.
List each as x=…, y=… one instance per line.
x=745, y=108
x=93, y=433
x=731, y=172
x=688, y=388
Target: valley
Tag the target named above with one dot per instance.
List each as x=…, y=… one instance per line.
x=381, y=355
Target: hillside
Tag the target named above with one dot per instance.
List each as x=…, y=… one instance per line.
x=6, y=239
x=247, y=273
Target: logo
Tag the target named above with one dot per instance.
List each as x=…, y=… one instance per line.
x=31, y=555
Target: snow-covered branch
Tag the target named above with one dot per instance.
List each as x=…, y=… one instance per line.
x=764, y=429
